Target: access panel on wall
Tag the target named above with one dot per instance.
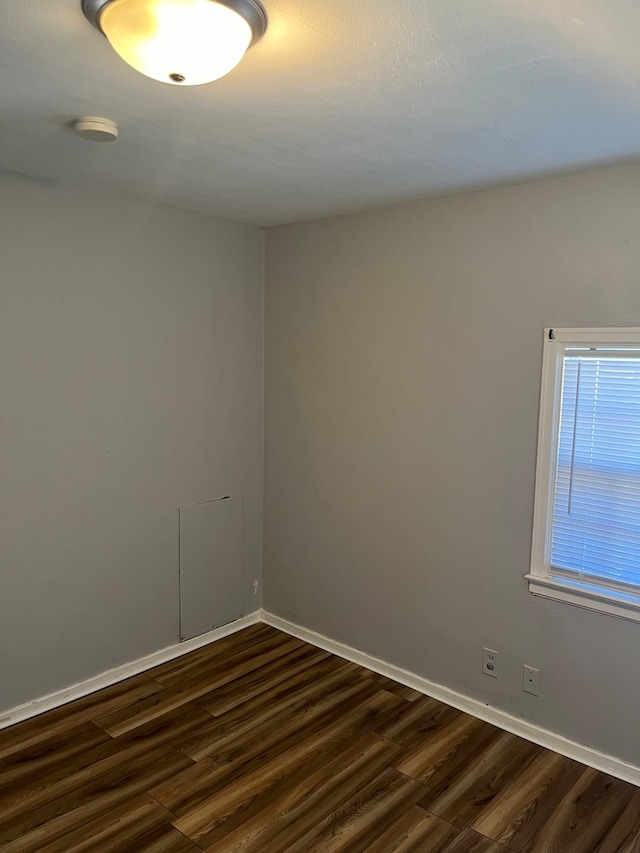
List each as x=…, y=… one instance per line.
x=210, y=565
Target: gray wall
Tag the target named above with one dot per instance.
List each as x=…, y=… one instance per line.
x=131, y=366
x=403, y=353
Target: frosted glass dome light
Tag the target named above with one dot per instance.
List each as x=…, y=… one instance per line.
x=182, y=42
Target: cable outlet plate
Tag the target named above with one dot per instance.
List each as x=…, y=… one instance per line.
x=490, y=662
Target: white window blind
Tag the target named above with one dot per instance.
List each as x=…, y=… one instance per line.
x=596, y=504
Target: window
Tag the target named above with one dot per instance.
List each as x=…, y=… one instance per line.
x=586, y=531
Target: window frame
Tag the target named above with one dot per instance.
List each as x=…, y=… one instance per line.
x=543, y=580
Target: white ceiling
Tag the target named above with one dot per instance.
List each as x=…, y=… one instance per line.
x=344, y=105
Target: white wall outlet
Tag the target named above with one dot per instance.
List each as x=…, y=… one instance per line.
x=490, y=662
x=256, y=587
x=531, y=680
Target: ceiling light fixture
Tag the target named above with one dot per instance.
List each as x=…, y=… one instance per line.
x=182, y=42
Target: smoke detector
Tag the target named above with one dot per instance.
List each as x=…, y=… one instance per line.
x=96, y=129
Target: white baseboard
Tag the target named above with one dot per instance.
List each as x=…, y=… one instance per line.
x=119, y=673
x=579, y=752
x=543, y=737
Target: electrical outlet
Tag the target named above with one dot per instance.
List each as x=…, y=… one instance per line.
x=490, y=662
x=531, y=680
x=256, y=587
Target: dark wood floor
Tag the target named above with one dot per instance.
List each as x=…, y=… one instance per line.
x=263, y=743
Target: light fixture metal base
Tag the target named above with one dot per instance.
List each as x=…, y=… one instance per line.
x=251, y=10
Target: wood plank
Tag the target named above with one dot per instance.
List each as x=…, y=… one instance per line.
x=164, y=839
x=425, y=718
x=138, y=825
x=445, y=748
x=471, y=842
x=310, y=793
x=30, y=829
x=625, y=835
x=362, y=817
x=292, y=801
x=185, y=666
x=582, y=820
x=41, y=728
x=36, y=760
x=279, y=704
x=79, y=770
x=392, y=686
x=469, y=788
x=168, y=728
x=416, y=831
x=328, y=722
x=186, y=691
x=251, y=684
x=516, y=814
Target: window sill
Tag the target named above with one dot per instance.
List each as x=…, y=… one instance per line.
x=591, y=597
